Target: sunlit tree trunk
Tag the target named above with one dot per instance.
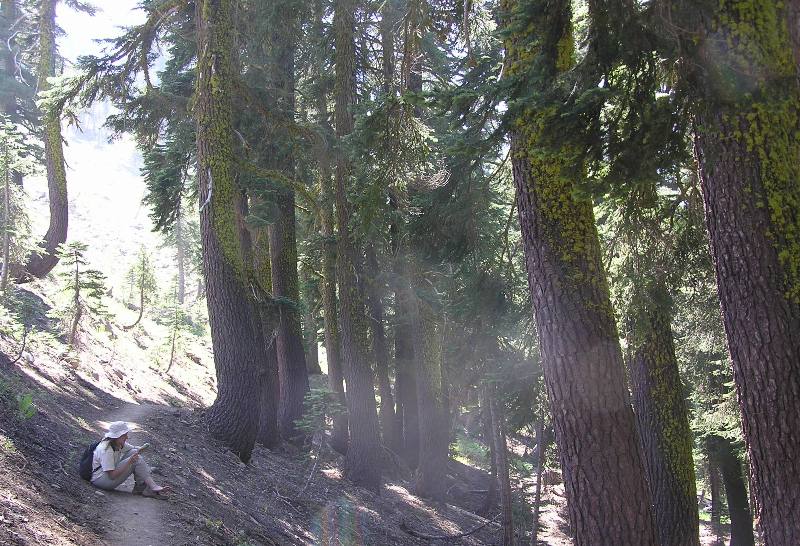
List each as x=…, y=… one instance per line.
x=664, y=432
x=604, y=477
x=747, y=149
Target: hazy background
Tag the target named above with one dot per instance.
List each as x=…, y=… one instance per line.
x=103, y=178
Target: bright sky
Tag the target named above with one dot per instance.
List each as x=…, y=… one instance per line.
x=81, y=30
x=104, y=181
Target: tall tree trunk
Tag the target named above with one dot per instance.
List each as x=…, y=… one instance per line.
x=340, y=430
x=10, y=13
x=721, y=450
x=180, y=244
x=490, y=501
x=747, y=151
x=661, y=413
x=406, y=365
x=76, y=300
x=581, y=356
x=501, y=450
x=433, y=436
x=6, y=165
x=42, y=262
x=310, y=324
x=268, y=431
x=292, y=371
x=364, y=457
x=537, y=499
x=233, y=318
x=380, y=350
x=716, y=501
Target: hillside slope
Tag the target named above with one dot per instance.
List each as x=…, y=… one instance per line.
x=53, y=402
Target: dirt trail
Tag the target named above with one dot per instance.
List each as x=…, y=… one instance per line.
x=132, y=520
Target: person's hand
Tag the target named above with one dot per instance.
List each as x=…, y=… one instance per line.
x=133, y=458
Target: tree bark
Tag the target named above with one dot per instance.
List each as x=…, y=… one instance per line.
x=7, y=219
x=268, y=431
x=310, y=324
x=537, y=499
x=180, y=244
x=433, y=436
x=404, y=353
x=716, y=501
x=292, y=370
x=45, y=259
x=364, y=457
x=747, y=152
x=501, y=450
x=233, y=318
x=664, y=432
x=607, y=493
x=380, y=350
x=490, y=501
x=722, y=452
x=340, y=429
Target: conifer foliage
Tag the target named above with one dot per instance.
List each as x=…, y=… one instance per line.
x=484, y=199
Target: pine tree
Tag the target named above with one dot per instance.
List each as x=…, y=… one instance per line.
x=578, y=339
x=84, y=288
x=364, y=457
x=234, y=319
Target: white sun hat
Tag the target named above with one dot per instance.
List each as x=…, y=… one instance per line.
x=117, y=429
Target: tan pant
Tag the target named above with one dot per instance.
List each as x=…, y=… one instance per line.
x=140, y=472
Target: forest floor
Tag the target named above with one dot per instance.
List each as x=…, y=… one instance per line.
x=55, y=402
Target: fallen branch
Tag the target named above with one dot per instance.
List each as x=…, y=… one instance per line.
x=404, y=526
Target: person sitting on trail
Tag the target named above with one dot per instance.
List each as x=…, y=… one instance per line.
x=115, y=459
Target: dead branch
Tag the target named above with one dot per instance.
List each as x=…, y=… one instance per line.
x=404, y=526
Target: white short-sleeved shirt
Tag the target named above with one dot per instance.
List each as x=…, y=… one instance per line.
x=106, y=458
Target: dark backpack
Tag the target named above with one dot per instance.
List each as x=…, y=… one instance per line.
x=85, y=466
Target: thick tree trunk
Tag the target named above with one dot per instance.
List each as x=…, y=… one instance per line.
x=380, y=350
x=721, y=450
x=664, y=432
x=364, y=457
x=501, y=450
x=233, y=318
x=582, y=361
x=747, y=151
x=45, y=259
x=433, y=436
x=604, y=477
